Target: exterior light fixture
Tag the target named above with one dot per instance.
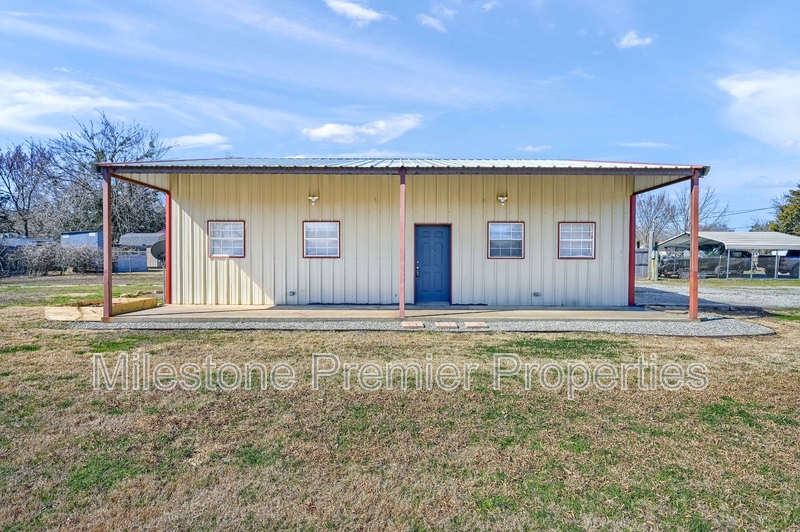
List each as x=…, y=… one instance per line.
x=313, y=200
x=502, y=200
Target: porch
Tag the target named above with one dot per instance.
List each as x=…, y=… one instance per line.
x=458, y=314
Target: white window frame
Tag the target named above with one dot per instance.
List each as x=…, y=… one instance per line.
x=215, y=238
x=584, y=252
x=337, y=239
x=521, y=240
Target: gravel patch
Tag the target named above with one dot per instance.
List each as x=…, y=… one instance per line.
x=677, y=295
x=708, y=327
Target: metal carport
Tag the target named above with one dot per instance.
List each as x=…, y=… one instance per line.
x=733, y=241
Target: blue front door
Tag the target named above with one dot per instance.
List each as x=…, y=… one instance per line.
x=432, y=264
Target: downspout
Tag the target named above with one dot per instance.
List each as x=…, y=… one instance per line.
x=107, y=262
x=694, y=249
x=402, y=291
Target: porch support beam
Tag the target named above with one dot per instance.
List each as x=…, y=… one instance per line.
x=632, y=253
x=168, y=251
x=402, y=291
x=694, y=247
x=107, y=261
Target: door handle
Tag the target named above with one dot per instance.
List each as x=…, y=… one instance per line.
x=416, y=271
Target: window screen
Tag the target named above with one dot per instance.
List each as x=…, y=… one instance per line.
x=226, y=239
x=576, y=241
x=320, y=239
x=505, y=240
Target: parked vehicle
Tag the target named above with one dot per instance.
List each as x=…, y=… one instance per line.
x=789, y=263
x=713, y=262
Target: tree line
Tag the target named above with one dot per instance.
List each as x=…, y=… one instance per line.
x=50, y=187
x=668, y=214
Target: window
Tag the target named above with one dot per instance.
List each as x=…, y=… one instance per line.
x=576, y=240
x=225, y=239
x=505, y=240
x=320, y=239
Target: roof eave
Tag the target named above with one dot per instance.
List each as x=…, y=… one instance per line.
x=677, y=172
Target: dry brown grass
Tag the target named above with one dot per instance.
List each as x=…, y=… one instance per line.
x=72, y=458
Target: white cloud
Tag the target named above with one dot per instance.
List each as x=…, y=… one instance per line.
x=644, y=144
x=427, y=20
x=362, y=15
x=765, y=105
x=382, y=154
x=763, y=181
x=535, y=149
x=443, y=11
x=380, y=130
x=43, y=107
x=26, y=104
x=488, y=6
x=436, y=82
x=581, y=73
x=202, y=140
x=631, y=40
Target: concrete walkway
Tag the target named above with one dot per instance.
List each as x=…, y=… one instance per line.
x=455, y=313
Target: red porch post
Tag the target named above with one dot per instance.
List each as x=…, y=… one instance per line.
x=694, y=222
x=168, y=252
x=632, y=253
x=402, y=293
x=107, y=262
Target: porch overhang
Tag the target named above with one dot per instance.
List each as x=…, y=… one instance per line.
x=647, y=177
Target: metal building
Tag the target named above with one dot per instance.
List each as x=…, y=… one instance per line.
x=366, y=231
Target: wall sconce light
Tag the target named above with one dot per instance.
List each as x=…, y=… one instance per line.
x=502, y=200
x=313, y=200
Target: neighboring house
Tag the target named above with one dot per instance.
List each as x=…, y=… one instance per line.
x=83, y=238
x=329, y=231
x=127, y=259
x=13, y=240
x=144, y=241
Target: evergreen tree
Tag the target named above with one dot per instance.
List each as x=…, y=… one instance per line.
x=788, y=213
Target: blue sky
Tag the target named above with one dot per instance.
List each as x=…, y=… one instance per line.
x=714, y=83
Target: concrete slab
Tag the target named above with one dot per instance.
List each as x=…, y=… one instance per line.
x=446, y=325
x=476, y=325
x=413, y=325
x=457, y=313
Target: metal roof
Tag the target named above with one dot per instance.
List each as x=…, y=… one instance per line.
x=141, y=239
x=391, y=166
x=740, y=241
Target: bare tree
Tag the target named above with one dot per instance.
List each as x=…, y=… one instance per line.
x=652, y=213
x=79, y=203
x=713, y=213
x=6, y=225
x=759, y=226
x=25, y=172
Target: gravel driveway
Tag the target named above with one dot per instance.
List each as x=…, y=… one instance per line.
x=756, y=295
x=711, y=327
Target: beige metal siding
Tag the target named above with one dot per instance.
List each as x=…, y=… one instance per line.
x=153, y=180
x=275, y=206
x=647, y=182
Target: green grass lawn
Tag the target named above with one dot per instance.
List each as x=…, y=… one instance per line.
x=726, y=458
x=63, y=290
